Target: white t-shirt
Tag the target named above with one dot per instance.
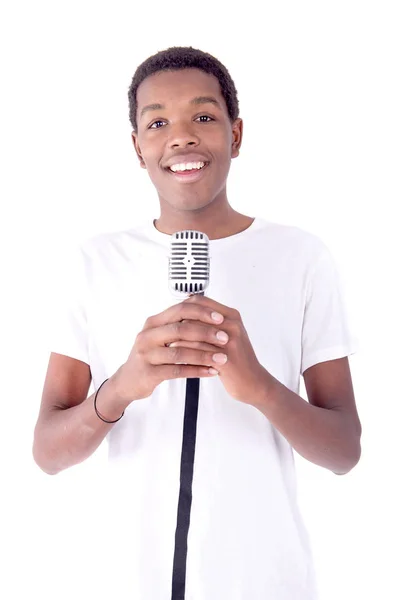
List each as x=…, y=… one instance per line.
x=246, y=539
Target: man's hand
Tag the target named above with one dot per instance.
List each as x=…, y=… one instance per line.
x=153, y=358
x=242, y=375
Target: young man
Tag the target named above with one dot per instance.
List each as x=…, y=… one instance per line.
x=273, y=290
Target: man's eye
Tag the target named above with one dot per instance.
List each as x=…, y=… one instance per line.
x=205, y=117
x=155, y=123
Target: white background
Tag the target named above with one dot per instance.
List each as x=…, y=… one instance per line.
x=318, y=86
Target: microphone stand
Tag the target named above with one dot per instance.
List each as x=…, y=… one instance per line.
x=185, y=490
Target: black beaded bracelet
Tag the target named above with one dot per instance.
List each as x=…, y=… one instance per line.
x=97, y=412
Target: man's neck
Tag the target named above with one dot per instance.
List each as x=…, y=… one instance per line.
x=216, y=229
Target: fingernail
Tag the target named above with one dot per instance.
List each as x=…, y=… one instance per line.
x=217, y=316
x=222, y=336
x=220, y=358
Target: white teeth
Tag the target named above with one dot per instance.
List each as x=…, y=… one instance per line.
x=187, y=166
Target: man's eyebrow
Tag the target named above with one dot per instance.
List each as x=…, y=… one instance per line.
x=205, y=100
x=151, y=107
x=197, y=100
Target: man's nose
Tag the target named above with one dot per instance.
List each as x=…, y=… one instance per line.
x=183, y=136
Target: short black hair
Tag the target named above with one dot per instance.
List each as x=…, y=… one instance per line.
x=181, y=57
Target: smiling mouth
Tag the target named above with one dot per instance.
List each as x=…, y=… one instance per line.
x=193, y=175
x=188, y=171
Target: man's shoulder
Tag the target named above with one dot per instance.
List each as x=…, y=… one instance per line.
x=103, y=242
x=293, y=236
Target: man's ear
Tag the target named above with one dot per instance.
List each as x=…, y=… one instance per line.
x=137, y=149
x=237, y=136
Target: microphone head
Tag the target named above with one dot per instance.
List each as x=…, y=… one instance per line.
x=189, y=263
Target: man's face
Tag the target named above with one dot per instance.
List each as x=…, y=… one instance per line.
x=185, y=126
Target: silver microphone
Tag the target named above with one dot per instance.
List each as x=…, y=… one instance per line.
x=189, y=263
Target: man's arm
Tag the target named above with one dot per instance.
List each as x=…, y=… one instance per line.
x=326, y=430
x=68, y=430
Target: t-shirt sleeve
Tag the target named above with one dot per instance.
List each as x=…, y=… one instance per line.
x=68, y=328
x=326, y=334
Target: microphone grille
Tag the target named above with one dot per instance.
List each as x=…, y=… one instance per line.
x=189, y=263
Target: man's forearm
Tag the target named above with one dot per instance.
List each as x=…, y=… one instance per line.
x=66, y=437
x=325, y=437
